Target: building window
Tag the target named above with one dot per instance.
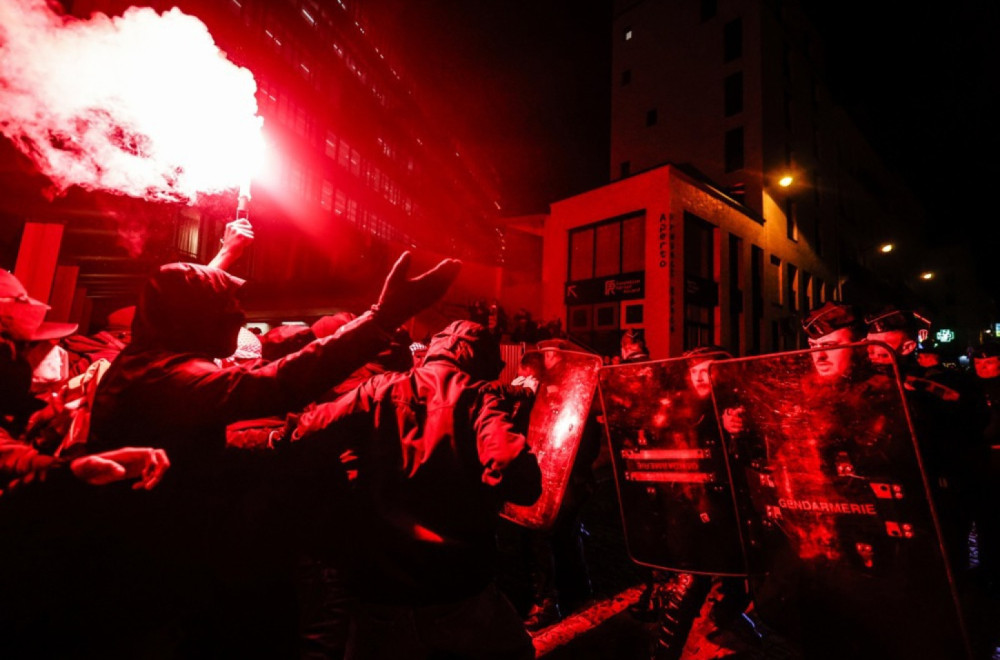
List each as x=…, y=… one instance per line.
x=326, y=196
x=607, y=248
x=734, y=93
x=625, y=168
x=626, y=77
x=791, y=220
x=188, y=230
x=581, y=254
x=580, y=319
x=633, y=244
x=606, y=316
x=708, y=8
x=793, y=288
x=779, y=298
x=628, y=33
x=633, y=314
x=756, y=297
x=736, y=286
x=651, y=117
x=732, y=37
x=701, y=289
x=734, y=149
x=807, y=291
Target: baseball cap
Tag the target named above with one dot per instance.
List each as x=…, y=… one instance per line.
x=22, y=317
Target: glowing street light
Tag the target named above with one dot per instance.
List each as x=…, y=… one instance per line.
x=786, y=180
x=927, y=275
x=886, y=248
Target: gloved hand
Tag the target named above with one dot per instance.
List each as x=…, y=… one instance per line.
x=403, y=297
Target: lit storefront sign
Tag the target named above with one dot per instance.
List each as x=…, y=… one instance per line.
x=944, y=335
x=624, y=286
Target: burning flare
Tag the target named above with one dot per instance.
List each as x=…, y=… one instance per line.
x=144, y=104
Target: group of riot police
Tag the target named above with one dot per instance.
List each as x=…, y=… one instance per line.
x=860, y=478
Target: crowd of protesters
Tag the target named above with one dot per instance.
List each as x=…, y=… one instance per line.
x=178, y=486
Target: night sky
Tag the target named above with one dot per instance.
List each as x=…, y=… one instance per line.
x=525, y=87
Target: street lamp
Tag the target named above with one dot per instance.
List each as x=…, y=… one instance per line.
x=927, y=275
x=886, y=248
x=786, y=180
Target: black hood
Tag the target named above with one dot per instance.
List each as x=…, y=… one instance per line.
x=470, y=347
x=189, y=308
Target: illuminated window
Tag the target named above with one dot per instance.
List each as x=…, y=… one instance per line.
x=355, y=162
x=326, y=197
x=187, y=235
x=628, y=33
x=344, y=155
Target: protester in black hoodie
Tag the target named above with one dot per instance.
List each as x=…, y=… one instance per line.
x=436, y=457
x=220, y=576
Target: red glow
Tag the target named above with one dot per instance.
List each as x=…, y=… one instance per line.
x=144, y=104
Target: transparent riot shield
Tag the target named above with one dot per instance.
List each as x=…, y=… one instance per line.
x=558, y=420
x=673, y=489
x=841, y=534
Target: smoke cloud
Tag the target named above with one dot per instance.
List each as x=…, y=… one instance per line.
x=144, y=105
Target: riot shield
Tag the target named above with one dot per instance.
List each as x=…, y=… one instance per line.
x=558, y=420
x=673, y=489
x=840, y=531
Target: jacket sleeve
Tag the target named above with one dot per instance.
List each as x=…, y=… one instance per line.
x=356, y=406
x=21, y=464
x=285, y=340
x=507, y=461
x=201, y=393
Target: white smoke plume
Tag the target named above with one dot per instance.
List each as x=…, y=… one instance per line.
x=144, y=104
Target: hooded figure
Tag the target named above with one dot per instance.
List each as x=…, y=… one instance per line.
x=217, y=565
x=437, y=456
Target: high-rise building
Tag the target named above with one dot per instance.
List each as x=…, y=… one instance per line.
x=741, y=194
x=737, y=89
